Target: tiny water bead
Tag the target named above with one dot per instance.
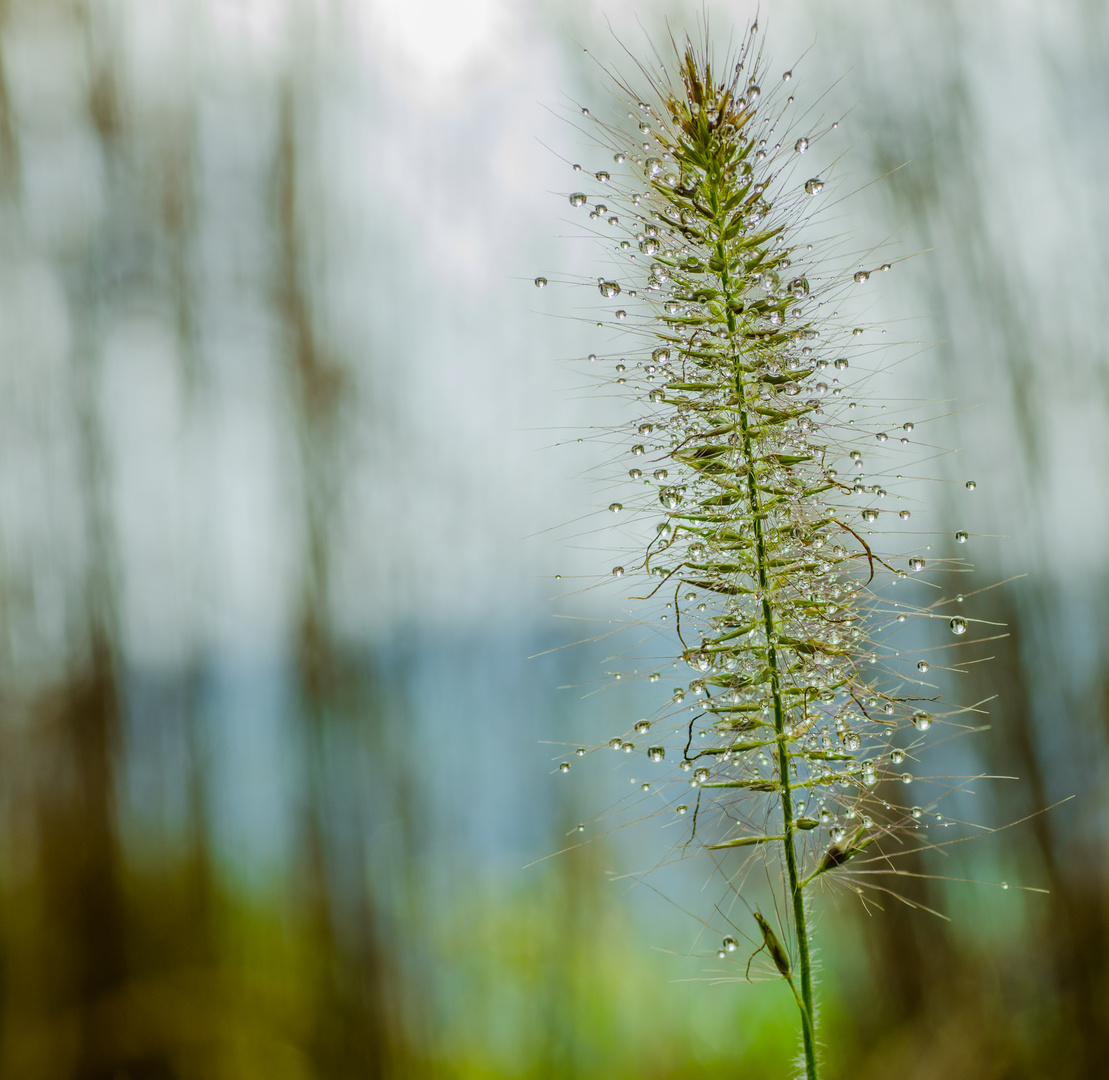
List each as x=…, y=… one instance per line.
x=580, y=751
x=801, y=145
x=628, y=747
x=656, y=753
x=837, y=834
x=958, y=625
x=961, y=537
x=906, y=778
x=616, y=507
x=619, y=158
x=904, y=515
x=917, y=811
x=639, y=450
x=923, y=666
x=578, y=198
x=861, y=276
x=682, y=810
x=970, y=485
x=564, y=767
x=642, y=727
x=814, y=186
x=870, y=515
x=635, y=474
x=617, y=571
x=730, y=944
x=916, y=564
x=540, y=282
x=615, y=742
x=602, y=177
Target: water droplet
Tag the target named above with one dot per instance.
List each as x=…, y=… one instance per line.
x=584, y=111
x=961, y=537
x=700, y=775
x=656, y=753
x=852, y=741
x=608, y=289
x=971, y=485
x=861, y=276
x=616, y=507
x=916, y=564
x=621, y=315
x=638, y=450
x=922, y=721
x=617, y=571
x=645, y=429
x=602, y=177
x=801, y=145
x=578, y=198
x=857, y=332
x=564, y=767
x=904, y=515
x=841, y=363
x=814, y=186
x=635, y=474
x=897, y=756
x=628, y=747
x=837, y=834
x=786, y=76
x=959, y=599
x=922, y=666
x=661, y=474
x=653, y=677
x=958, y=625
x=619, y=158
x=906, y=778
x=730, y=944
x=615, y=742
x=682, y=810
x=881, y=436
x=656, y=396
x=652, y=166
x=642, y=726
x=649, y=246
x=540, y=282
x=1004, y=884
x=670, y=498
x=870, y=515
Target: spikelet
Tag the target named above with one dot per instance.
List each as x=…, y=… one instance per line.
x=765, y=555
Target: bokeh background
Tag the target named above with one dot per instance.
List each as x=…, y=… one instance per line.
x=282, y=510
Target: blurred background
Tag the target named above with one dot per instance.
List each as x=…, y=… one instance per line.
x=282, y=509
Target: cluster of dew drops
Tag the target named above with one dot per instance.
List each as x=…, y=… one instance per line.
x=644, y=237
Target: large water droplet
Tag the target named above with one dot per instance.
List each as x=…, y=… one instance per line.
x=616, y=507
x=961, y=537
x=730, y=944
x=617, y=571
x=649, y=246
x=870, y=515
x=922, y=721
x=861, y=276
x=656, y=753
x=814, y=186
x=564, y=767
x=642, y=726
x=922, y=666
x=615, y=743
x=916, y=564
x=971, y=485
x=578, y=198
x=801, y=145
x=958, y=625
x=652, y=167
x=602, y=177
x=608, y=288
x=897, y=756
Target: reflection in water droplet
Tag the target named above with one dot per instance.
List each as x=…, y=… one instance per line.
x=904, y=515
x=922, y=666
x=971, y=485
x=730, y=944
x=615, y=743
x=635, y=474
x=961, y=537
x=602, y=177
x=617, y=571
x=616, y=507
x=958, y=625
x=906, y=778
x=628, y=747
x=638, y=450
x=814, y=186
x=642, y=726
x=578, y=198
x=916, y=564
x=619, y=158
x=897, y=756
x=861, y=276
x=656, y=753
x=837, y=834
x=801, y=145
x=922, y=721
x=564, y=767
x=608, y=289
x=682, y=810
x=870, y=515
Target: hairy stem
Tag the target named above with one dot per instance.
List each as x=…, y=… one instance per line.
x=796, y=890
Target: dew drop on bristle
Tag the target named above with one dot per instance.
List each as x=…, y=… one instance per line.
x=564, y=767
x=961, y=537
x=922, y=666
x=603, y=177
x=617, y=571
x=958, y=625
x=540, y=282
x=730, y=944
x=861, y=276
x=922, y=721
x=656, y=753
x=814, y=186
x=616, y=507
x=578, y=198
x=608, y=289
x=801, y=146
x=970, y=485
x=916, y=564
x=642, y=727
